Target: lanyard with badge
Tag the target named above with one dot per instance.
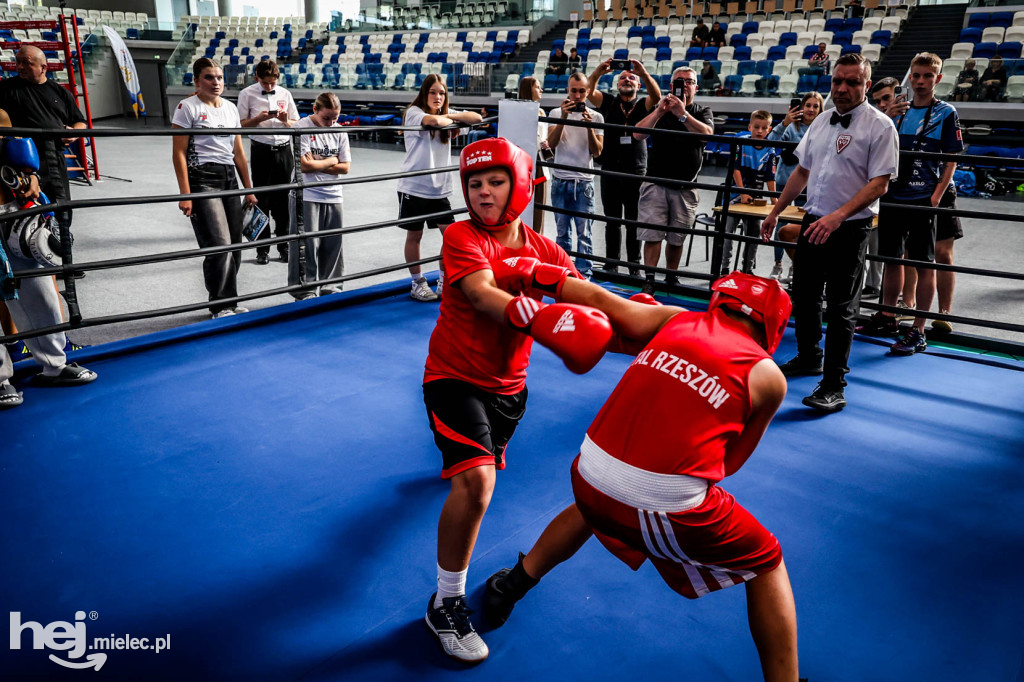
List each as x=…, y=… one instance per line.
x=627, y=139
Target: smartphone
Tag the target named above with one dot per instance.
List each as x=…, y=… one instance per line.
x=897, y=91
x=678, y=87
x=621, y=65
x=580, y=107
x=795, y=102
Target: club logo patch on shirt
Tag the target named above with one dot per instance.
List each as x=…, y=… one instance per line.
x=842, y=142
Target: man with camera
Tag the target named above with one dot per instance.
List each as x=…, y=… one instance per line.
x=623, y=153
x=573, y=190
x=676, y=157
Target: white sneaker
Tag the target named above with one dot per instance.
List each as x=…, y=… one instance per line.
x=421, y=291
x=239, y=310
x=440, y=284
x=227, y=312
x=450, y=623
x=788, y=279
x=776, y=272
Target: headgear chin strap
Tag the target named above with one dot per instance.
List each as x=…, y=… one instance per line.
x=497, y=152
x=762, y=300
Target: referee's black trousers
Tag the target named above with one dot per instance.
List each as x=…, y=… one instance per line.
x=835, y=267
x=272, y=166
x=619, y=197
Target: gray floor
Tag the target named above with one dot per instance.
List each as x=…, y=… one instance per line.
x=103, y=233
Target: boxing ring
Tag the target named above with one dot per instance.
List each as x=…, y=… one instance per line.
x=261, y=492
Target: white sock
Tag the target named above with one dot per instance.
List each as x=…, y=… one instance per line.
x=450, y=584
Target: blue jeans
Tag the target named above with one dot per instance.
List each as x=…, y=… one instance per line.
x=574, y=195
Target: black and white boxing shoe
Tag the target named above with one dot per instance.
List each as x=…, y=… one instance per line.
x=450, y=623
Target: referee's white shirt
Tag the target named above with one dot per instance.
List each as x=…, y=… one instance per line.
x=255, y=100
x=842, y=160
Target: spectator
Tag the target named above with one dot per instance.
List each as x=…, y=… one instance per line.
x=967, y=83
x=557, y=62
x=267, y=105
x=675, y=157
x=207, y=163
x=574, y=190
x=883, y=93
x=574, y=63
x=926, y=125
x=422, y=195
x=625, y=154
x=845, y=162
x=854, y=9
x=709, y=80
x=482, y=132
x=530, y=89
x=325, y=155
x=37, y=304
x=716, y=38
x=993, y=81
x=792, y=129
x=818, y=64
x=33, y=101
x=754, y=169
x=700, y=35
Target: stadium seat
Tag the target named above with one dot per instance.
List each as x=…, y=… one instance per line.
x=807, y=83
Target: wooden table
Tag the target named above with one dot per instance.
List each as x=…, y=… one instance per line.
x=792, y=214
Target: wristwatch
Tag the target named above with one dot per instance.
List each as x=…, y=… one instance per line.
x=682, y=119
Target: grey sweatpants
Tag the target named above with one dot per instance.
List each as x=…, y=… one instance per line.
x=324, y=258
x=37, y=306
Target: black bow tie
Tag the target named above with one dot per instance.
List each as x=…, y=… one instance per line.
x=270, y=92
x=843, y=119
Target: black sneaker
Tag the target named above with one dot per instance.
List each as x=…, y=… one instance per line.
x=826, y=399
x=282, y=256
x=912, y=342
x=262, y=258
x=880, y=324
x=647, y=287
x=450, y=623
x=671, y=281
x=504, y=589
x=798, y=367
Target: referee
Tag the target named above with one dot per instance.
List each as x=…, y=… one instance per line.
x=265, y=104
x=846, y=159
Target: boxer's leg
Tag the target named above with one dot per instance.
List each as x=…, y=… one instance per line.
x=771, y=613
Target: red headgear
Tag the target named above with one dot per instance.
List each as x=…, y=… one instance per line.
x=763, y=300
x=497, y=152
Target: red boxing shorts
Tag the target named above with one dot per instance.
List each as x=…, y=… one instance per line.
x=715, y=545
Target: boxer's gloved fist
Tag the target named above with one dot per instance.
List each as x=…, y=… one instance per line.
x=644, y=298
x=576, y=333
x=21, y=153
x=522, y=273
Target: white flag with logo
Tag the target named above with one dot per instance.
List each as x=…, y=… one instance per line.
x=129, y=74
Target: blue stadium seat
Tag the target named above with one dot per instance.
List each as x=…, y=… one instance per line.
x=985, y=50
x=851, y=49
x=624, y=54
x=131, y=34
x=460, y=37
x=764, y=68
x=810, y=50
x=834, y=25
x=186, y=79
x=583, y=33
x=558, y=44
x=1000, y=19
x=978, y=20
x=679, y=63
x=665, y=82
x=740, y=53
x=738, y=39
x=745, y=67
x=664, y=54
x=550, y=82
x=634, y=32
x=807, y=83
x=842, y=38
x=733, y=83
x=776, y=52
x=493, y=35
x=785, y=40
x=882, y=38
x=1011, y=51
x=528, y=68
x=712, y=53
x=647, y=30
x=825, y=85
x=563, y=83
x=647, y=43
x=970, y=35
x=467, y=47
x=662, y=41
x=853, y=24
x=749, y=27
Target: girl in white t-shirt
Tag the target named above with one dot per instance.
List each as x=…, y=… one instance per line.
x=425, y=194
x=325, y=156
x=207, y=163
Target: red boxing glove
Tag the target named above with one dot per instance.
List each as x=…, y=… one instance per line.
x=644, y=298
x=522, y=273
x=578, y=334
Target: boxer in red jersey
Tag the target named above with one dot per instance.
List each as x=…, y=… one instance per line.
x=645, y=481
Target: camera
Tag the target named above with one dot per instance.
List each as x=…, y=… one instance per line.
x=579, y=108
x=621, y=65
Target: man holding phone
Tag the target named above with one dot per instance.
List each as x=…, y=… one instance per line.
x=573, y=190
x=623, y=153
x=677, y=157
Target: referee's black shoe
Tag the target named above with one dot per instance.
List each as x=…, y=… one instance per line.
x=799, y=367
x=826, y=399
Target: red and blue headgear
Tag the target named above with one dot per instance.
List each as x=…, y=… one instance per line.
x=497, y=152
x=762, y=300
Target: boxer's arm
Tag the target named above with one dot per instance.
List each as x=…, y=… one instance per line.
x=767, y=389
x=638, y=322
x=482, y=291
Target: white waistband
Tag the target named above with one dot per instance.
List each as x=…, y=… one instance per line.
x=636, y=487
